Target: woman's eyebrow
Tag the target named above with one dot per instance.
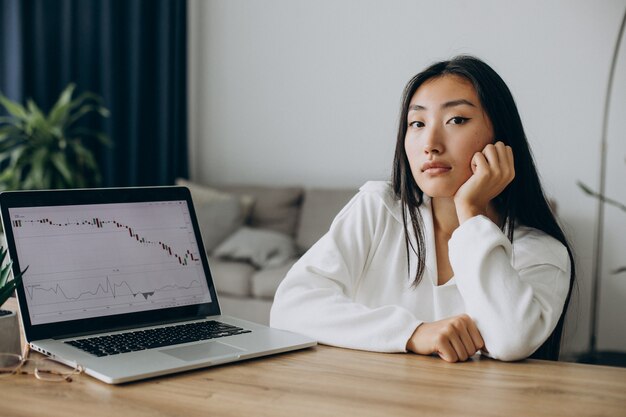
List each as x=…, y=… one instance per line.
x=447, y=104
x=459, y=102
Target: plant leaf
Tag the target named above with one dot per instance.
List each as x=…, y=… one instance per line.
x=86, y=156
x=4, y=274
x=61, y=108
x=90, y=172
x=103, y=111
x=36, y=119
x=37, y=151
x=60, y=115
x=13, y=108
x=601, y=197
x=37, y=169
x=11, y=177
x=34, y=110
x=7, y=290
x=60, y=163
x=586, y=189
x=8, y=143
x=11, y=131
x=10, y=120
x=83, y=110
x=83, y=99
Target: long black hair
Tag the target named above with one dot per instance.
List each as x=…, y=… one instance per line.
x=521, y=202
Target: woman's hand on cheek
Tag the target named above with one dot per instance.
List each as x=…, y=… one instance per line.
x=493, y=169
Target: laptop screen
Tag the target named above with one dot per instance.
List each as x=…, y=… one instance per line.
x=103, y=259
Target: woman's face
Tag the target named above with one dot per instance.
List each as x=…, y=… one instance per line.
x=446, y=126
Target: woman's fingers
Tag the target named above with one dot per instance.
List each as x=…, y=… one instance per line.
x=468, y=342
x=459, y=347
x=447, y=352
x=505, y=158
x=453, y=339
x=499, y=159
x=511, y=161
x=493, y=159
x=509, y=155
x=472, y=329
x=479, y=163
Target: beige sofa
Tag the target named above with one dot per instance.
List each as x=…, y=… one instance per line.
x=251, y=255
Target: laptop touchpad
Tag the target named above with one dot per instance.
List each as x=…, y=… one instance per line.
x=208, y=350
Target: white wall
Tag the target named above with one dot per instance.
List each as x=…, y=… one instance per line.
x=295, y=92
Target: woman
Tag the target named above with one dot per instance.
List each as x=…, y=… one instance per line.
x=459, y=254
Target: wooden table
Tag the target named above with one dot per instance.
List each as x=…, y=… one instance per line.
x=326, y=381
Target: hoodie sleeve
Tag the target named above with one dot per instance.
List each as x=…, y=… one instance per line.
x=316, y=298
x=514, y=294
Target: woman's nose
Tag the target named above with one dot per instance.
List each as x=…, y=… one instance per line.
x=432, y=141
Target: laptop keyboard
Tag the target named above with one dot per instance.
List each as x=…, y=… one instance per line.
x=154, y=338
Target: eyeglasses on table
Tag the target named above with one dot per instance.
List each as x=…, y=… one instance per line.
x=44, y=369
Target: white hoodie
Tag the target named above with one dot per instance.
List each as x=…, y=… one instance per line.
x=352, y=289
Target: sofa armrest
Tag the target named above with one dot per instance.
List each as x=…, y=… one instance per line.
x=319, y=208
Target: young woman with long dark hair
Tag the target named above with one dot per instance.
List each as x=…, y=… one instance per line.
x=459, y=253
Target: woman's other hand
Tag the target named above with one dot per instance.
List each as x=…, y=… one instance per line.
x=453, y=339
x=493, y=169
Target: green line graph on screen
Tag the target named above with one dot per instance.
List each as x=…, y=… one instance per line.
x=89, y=260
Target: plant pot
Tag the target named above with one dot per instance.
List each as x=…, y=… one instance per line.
x=9, y=332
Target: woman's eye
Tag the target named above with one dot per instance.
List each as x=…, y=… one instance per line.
x=458, y=120
x=416, y=124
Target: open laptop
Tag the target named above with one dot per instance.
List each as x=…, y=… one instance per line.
x=118, y=282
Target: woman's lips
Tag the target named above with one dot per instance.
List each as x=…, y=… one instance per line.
x=435, y=167
x=436, y=171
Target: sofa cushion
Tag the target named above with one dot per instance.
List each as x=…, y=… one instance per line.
x=319, y=208
x=275, y=208
x=219, y=214
x=231, y=277
x=265, y=281
x=261, y=247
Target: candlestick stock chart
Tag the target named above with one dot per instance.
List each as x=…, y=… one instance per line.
x=93, y=260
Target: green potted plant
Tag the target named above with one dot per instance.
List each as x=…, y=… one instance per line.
x=587, y=190
x=594, y=356
x=39, y=151
x=9, y=328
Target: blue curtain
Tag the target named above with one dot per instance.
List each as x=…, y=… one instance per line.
x=131, y=52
